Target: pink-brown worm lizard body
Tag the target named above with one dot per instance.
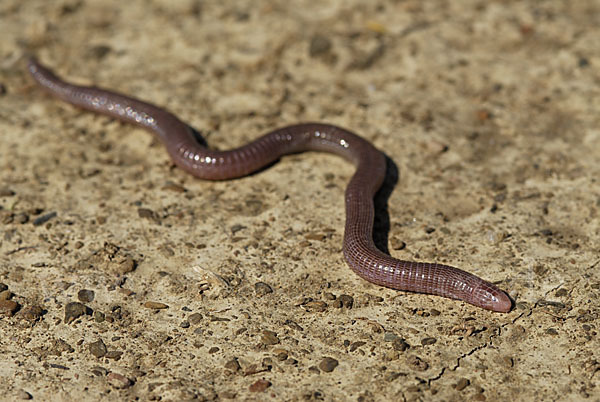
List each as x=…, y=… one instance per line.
x=359, y=250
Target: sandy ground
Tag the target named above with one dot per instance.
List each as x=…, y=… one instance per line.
x=123, y=278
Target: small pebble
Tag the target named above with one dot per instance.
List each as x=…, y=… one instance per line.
x=8, y=307
x=85, y=295
x=6, y=192
x=347, y=301
x=145, y=213
x=392, y=375
x=262, y=288
x=114, y=355
x=315, y=306
x=389, y=337
x=328, y=364
x=315, y=236
x=98, y=348
x=356, y=345
x=428, y=341
x=6, y=295
x=417, y=363
x=269, y=338
x=74, y=310
x=21, y=218
x=329, y=296
x=3, y=287
x=391, y=355
x=155, y=305
x=314, y=369
x=32, y=313
x=174, y=187
x=233, y=365
x=40, y=220
x=552, y=331
x=561, y=292
x=24, y=395
x=462, y=384
x=397, y=244
x=99, y=316
x=400, y=345
x=280, y=354
x=260, y=386
x=495, y=237
x=184, y=324
x=118, y=381
x=319, y=45
x=195, y=318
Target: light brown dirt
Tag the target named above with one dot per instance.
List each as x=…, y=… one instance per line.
x=490, y=110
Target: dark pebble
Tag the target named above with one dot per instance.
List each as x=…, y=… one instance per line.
x=3, y=287
x=561, y=292
x=59, y=366
x=99, y=371
x=74, y=310
x=97, y=348
x=114, y=355
x=356, y=345
x=6, y=192
x=99, y=51
x=260, y=386
x=428, y=341
x=462, y=384
x=85, y=295
x=99, y=316
x=32, y=313
x=400, y=345
x=319, y=45
x=262, y=288
x=236, y=228
x=8, y=307
x=280, y=354
x=184, y=324
x=195, y=318
x=328, y=364
x=389, y=337
x=434, y=312
x=347, y=301
x=552, y=331
x=40, y=220
x=329, y=296
x=145, y=213
x=24, y=395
